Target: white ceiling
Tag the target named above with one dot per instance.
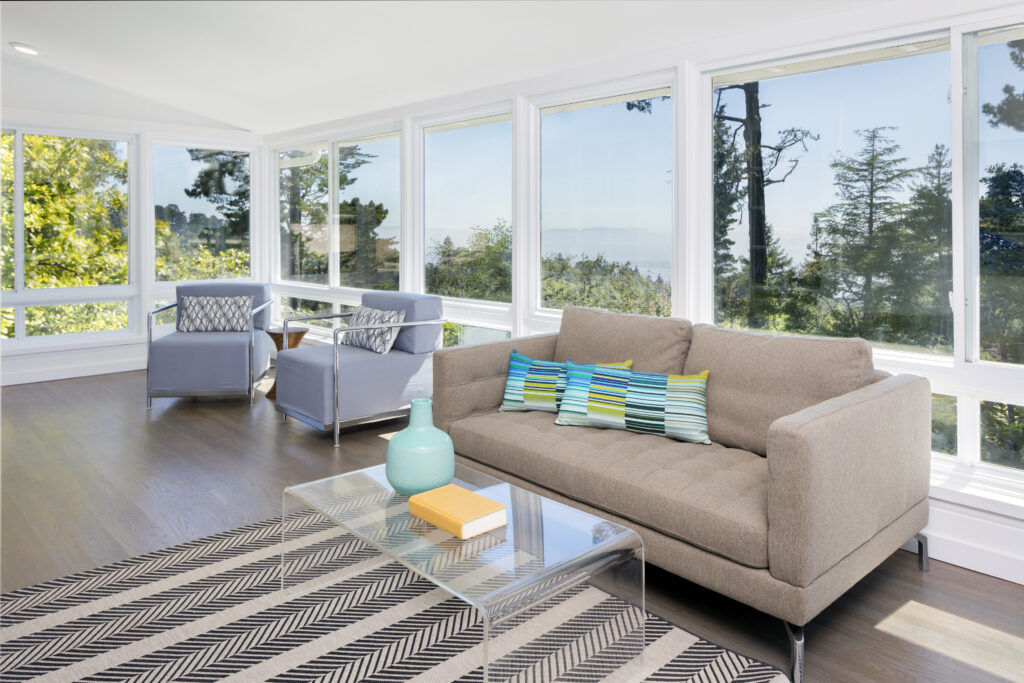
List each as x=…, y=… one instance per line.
x=273, y=66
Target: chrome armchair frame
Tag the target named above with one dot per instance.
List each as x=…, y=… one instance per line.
x=338, y=331
x=252, y=350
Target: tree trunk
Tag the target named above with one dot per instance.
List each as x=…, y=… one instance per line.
x=755, y=204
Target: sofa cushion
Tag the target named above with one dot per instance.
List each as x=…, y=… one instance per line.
x=757, y=378
x=655, y=344
x=712, y=497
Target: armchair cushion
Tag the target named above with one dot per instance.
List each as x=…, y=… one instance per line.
x=210, y=363
x=369, y=383
x=379, y=340
x=418, y=339
x=214, y=313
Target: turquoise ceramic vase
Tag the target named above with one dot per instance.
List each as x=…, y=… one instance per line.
x=421, y=456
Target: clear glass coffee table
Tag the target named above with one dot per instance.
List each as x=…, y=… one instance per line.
x=547, y=548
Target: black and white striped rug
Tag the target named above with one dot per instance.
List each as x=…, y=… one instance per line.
x=212, y=609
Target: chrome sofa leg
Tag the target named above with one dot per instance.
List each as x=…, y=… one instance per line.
x=149, y=402
x=337, y=434
x=796, y=651
x=284, y=416
x=922, y=551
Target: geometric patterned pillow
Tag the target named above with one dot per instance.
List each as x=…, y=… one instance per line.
x=379, y=340
x=214, y=313
x=646, y=402
x=537, y=384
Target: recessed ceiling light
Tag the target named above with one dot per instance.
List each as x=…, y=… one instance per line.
x=25, y=49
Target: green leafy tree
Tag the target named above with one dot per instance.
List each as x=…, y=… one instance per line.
x=480, y=270
x=1009, y=111
x=198, y=246
x=861, y=231
x=76, y=228
x=304, y=231
x=1001, y=218
x=366, y=259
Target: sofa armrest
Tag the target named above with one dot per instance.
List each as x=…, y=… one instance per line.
x=471, y=379
x=842, y=470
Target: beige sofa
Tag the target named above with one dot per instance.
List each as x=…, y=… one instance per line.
x=817, y=472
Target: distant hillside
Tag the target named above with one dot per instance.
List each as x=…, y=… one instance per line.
x=649, y=250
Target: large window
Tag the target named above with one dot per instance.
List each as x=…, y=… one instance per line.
x=304, y=234
x=369, y=184
x=7, y=210
x=832, y=200
x=468, y=209
x=70, y=232
x=1001, y=196
x=202, y=213
x=76, y=211
x=606, y=203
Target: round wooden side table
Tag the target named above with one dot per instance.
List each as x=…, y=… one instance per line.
x=295, y=335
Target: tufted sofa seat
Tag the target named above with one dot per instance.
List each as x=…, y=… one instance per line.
x=709, y=496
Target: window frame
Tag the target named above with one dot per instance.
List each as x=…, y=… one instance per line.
x=535, y=315
x=496, y=314
x=963, y=478
x=22, y=297
x=149, y=211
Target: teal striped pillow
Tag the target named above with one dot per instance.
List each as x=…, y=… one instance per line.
x=538, y=384
x=532, y=384
x=646, y=402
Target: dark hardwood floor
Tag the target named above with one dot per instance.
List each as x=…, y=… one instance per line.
x=90, y=477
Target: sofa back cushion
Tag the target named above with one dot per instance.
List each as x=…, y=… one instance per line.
x=588, y=335
x=757, y=378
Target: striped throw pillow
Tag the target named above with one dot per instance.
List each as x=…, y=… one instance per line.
x=646, y=402
x=538, y=384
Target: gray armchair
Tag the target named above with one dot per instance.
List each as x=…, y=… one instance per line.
x=210, y=363
x=338, y=384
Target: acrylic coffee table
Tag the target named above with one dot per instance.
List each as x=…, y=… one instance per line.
x=546, y=548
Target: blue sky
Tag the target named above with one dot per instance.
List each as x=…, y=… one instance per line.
x=910, y=94
x=174, y=171
x=606, y=167
x=468, y=180
x=379, y=180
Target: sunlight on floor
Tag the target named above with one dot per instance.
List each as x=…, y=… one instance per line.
x=977, y=645
x=387, y=435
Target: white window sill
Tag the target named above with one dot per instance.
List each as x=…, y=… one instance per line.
x=989, y=488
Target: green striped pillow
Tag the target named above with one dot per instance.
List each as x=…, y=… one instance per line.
x=646, y=402
x=538, y=384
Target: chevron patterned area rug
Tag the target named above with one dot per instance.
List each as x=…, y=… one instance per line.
x=212, y=609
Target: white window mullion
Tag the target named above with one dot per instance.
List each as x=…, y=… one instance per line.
x=968, y=429
x=333, y=237
x=969, y=186
x=411, y=262
x=19, y=213
x=526, y=266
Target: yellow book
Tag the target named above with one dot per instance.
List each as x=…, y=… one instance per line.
x=460, y=512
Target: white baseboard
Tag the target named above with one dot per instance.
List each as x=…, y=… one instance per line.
x=975, y=539
x=66, y=363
